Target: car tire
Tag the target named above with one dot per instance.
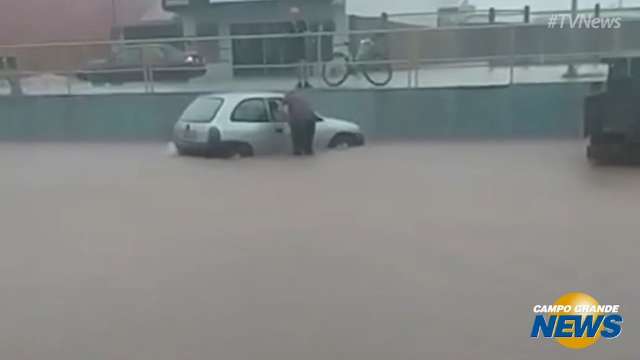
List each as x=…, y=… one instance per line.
x=237, y=150
x=343, y=141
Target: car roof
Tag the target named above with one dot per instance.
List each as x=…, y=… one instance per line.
x=237, y=96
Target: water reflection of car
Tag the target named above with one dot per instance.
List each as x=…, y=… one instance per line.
x=157, y=62
x=247, y=124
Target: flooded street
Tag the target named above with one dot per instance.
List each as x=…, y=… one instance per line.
x=434, y=250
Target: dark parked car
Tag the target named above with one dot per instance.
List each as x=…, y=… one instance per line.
x=157, y=62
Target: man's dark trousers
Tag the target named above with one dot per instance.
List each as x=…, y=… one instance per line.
x=302, y=136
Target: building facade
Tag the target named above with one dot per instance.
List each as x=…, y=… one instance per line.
x=258, y=17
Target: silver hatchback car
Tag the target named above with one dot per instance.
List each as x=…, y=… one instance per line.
x=247, y=124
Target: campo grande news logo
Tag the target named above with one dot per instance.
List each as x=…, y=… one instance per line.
x=577, y=321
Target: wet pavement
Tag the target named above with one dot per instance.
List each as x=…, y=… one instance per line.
x=434, y=250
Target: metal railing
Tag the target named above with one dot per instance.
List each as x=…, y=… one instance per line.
x=464, y=16
x=418, y=57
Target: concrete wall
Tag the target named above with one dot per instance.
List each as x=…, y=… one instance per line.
x=93, y=118
x=537, y=110
x=496, y=112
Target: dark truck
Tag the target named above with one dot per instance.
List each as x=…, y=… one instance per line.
x=612, y=116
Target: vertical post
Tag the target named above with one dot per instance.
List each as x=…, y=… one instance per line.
x=263, y=42
x=513, y=56
x=492, y=15
x=527, y=14
x=68, y=83
x=572, y=72
x=145, y=77
x=414, y=55
x=152, y=87
x=597, y=10
x=319, y=49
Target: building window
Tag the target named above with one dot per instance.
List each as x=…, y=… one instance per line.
x=278, y=51
x=209, y=49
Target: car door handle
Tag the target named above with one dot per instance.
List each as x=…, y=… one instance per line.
x=280, y=130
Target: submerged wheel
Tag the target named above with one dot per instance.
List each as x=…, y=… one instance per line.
x=343, y=141
x=237, y=150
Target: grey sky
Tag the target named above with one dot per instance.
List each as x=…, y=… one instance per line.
x=378, y=6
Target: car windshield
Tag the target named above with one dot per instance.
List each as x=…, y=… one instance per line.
x=202, y=110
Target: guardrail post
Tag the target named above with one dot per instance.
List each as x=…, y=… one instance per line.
x=264, y=42
x=527, y=14
x=597, y=10
x=492, y=15
x=151, y=80
x=319, y=50
x=68, y=83
x=512, y=62
x=414, y=55
x=145, y=78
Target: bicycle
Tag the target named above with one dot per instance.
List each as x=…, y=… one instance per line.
x=338, y=70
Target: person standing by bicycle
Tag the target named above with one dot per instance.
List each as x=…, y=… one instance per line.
x=301, y=48
x=381, y=39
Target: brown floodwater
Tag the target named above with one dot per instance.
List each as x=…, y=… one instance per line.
x=434, y=250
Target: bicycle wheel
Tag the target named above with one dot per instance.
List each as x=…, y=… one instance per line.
x=378, y=74
x=336, y=71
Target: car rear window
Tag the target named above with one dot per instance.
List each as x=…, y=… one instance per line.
x=202, y=110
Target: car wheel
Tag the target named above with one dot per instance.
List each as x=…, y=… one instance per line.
x=342, y=141
x=238, y=150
